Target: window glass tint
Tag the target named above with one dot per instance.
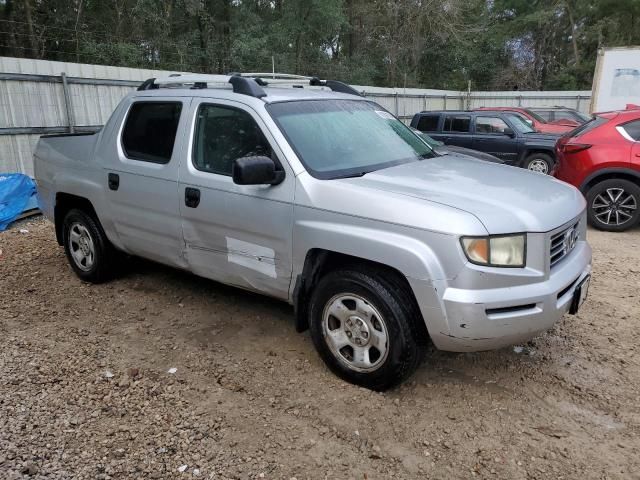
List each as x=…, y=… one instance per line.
x=547, y=115
x=150, y=131
x=490, y=125
x=428, y=123
x=587, y=127
x=224, y=134
x=339, y=138
x=521, y=123
x=456, y=124
x=633, y=129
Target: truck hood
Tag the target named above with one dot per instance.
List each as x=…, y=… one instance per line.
x=504, y=199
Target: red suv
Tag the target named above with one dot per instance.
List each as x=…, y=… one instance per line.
x=538, y=123
x=602, y=159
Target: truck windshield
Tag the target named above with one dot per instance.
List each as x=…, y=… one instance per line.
x=520, y=123
x=346, y=138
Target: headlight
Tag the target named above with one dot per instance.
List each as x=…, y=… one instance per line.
x=496, y=251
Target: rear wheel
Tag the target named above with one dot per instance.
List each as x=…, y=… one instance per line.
x=88, y=250
x=364, y=329
x=613, y=205
x=539, y=162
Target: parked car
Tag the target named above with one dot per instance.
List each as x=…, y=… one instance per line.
x=561, y=115
x=502, y=134
x=602, y=159
x=538, y=123
x=442, y=149
x=380, y=245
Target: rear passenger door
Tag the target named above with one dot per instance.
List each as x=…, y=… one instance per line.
x=456, y=130
x=493, y=135
x=236, y=234
x=141, y=178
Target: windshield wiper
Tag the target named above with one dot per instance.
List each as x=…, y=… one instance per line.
x=351, y=175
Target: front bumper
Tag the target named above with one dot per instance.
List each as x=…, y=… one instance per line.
x=473, y=320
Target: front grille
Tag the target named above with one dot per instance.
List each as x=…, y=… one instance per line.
x=562, y=243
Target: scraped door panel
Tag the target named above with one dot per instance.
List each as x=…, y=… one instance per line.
x=236, y=234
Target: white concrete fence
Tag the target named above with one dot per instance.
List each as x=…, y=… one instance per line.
x=39, y=97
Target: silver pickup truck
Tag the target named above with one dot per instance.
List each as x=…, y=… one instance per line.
x=321, y=198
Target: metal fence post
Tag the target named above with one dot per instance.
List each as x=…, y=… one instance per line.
x=424, y=103
x=444, y=97
x=519, y=100
x=67, y=103
x=578, y=102
x=396, y=103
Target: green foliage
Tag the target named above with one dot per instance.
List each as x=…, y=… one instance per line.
x=495, y=44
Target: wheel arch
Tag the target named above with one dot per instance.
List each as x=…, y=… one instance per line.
x=318, y=262
x=529, y=151
x=609, y=174
x=66, y=202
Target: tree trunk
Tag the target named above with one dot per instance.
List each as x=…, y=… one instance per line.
x=33, y=43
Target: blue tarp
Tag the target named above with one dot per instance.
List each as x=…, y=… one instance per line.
x=16, y=192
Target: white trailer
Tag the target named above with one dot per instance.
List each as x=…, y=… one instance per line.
x=616, y=82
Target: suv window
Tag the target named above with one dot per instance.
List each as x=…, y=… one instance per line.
x=456, y=123
x=633, y=129
x=491, y=125
x=428, y=123
x=547, y=115
x=150, y=131
x=224, y=134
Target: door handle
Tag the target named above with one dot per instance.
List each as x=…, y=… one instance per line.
x=114, y=181
x=191, y=197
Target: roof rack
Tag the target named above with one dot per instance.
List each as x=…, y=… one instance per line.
x=246, y=83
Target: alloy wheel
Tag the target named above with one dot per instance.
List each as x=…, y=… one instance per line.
x=614, y=206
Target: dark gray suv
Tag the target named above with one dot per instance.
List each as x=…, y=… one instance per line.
x=505, y=135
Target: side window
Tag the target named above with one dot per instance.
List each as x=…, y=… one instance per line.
x=224, y=134
x=633, y=129
x=428, y=123
x=547, y=115
x=490, y=125
x=150, y=131
x=457, y=123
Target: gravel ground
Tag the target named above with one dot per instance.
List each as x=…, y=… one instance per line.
x=87, y=389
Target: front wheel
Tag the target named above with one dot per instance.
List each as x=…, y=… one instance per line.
x=613, y=205
x=364, y=330
x=539, y=162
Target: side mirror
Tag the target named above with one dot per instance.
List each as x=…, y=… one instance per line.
x=257, y=170
x=509, y=132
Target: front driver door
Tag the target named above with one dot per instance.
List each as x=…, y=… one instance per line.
x=235, y=234
x=492, y=136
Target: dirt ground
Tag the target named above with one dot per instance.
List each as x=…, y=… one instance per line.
x=86, y=392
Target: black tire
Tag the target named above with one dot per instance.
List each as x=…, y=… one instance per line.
x=404, y=345
x=539, y=162
x=102, y=266
x=606, y=191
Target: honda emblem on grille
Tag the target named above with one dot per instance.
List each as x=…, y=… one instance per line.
x=570, y=239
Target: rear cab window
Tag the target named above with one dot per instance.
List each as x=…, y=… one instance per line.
x=150, y=129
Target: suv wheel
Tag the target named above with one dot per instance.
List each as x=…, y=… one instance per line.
x=539, y=162
x=88, y=250
x=614, y=205
x=363, y=329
